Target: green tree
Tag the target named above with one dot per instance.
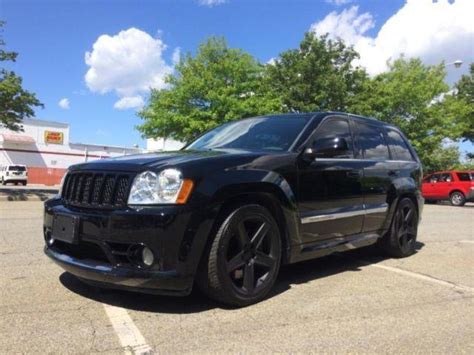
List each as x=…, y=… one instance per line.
x=217, y=85
x=464, y=105
x=442, y=158
x=319, y=75
x=415, y=97
x=15, y=102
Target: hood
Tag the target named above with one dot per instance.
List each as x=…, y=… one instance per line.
x=140, y=162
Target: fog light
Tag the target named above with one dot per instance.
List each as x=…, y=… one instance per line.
x=147, y=256
x=50, y=241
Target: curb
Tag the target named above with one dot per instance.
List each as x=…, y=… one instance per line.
x=22, y=197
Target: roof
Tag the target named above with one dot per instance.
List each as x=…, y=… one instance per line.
x=327, y=113
x=36, y=121
x=17, y=138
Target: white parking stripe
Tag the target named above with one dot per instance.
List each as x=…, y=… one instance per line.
x=130, y=337
x=423, y=277
x=467, y=241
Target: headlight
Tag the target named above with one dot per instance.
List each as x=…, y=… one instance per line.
x=167, y=187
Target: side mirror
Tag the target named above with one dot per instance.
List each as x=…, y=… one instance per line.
x=309, y=154
x=330, y=147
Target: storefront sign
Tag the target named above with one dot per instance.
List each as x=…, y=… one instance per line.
x=52, y=137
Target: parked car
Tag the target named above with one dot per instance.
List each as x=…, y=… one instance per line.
x=228, y=209
x=16, y=174
x=455, y=186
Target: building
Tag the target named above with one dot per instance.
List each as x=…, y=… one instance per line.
x=45, y=149
x=163, y=144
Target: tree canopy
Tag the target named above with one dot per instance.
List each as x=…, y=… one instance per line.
x=220, y=84
x=16, y=103
x=216, y=85
x=319, y=75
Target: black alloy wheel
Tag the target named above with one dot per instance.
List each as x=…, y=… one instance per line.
x=401, y=240
x=244, y=258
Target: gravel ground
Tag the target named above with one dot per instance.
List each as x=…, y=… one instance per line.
x=353, y=302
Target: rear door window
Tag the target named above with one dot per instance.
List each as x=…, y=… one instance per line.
x=16, y=168
x=398, y=146
x=464, y=176
x=372, y=142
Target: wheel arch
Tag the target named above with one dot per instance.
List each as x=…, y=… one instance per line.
x=456, y=190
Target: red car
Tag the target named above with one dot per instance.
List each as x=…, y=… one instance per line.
x=455, y=186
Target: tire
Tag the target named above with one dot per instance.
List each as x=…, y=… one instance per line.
x=400, y=240
x=3, y=182
x=24, y=184
x=242, y=263
x=457, y=199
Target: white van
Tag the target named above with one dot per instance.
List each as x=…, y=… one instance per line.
x=14, y=173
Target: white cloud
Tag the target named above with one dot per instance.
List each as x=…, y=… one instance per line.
x=64, y=103
x=272, y=61
x=433, y=31
x=129, y=64
x=212, y=3
x=176, y=56
x=129, y=102
x=339, y=2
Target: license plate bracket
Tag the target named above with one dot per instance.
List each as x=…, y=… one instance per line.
x=66, y=228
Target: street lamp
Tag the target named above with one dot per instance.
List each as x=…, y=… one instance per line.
x=456, y=63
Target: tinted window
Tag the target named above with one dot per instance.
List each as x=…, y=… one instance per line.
x=372, y=142
x=446, y=177
x=398, y=146
x=464, y=176
x=433, y=178
x=261, y=133
x=331, y=134
x=16, y=168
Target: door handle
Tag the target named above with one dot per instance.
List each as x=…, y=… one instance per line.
x=354, y=173
x=393, y=173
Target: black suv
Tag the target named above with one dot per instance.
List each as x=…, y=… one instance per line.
x=228, y=209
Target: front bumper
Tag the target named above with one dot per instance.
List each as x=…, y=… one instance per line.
x=176, y=235
x=105, y=275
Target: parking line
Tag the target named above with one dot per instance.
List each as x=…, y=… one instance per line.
x=129, y=335
x=423, y=277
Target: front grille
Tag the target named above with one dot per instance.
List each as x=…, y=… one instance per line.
x=96, y=189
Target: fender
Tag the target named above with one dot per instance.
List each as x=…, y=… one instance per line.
x=235, y=183
x=403, y=186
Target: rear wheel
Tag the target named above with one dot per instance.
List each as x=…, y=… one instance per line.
x=400, y=241
x=244, y=258
x=24, y=183
x=457, y=198
x=3, y=182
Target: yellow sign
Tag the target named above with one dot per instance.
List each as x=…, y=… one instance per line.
x=53, y=137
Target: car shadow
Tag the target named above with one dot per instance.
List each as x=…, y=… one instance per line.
x=289, y=275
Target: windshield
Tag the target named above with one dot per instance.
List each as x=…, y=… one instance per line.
x=261, y=133
x=16, y=168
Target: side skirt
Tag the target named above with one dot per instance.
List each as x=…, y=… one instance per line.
x=335, y=245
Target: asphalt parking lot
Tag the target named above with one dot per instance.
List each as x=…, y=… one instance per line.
x=354, y=302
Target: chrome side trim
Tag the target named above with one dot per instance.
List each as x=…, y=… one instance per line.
x=339, y=215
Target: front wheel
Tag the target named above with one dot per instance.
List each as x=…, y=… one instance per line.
x=400, y=240
x=244, y=258
x=457, y=199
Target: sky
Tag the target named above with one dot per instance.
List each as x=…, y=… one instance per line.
x=92, y=63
